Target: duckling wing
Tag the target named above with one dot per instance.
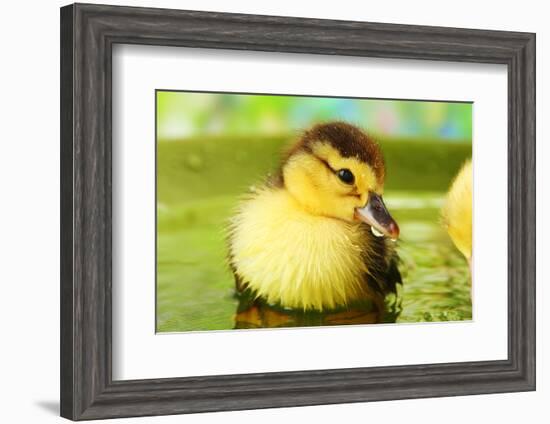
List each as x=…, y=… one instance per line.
x=382, y=263
x=393, y=276
x=384, y=278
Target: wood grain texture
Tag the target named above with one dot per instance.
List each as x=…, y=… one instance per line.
x=88, y=33
x=66, y=212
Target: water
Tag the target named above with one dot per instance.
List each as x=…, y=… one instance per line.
x=195, y=286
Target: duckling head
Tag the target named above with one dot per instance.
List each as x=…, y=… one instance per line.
x=335, y=170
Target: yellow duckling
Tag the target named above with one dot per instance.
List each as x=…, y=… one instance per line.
x=457, y=211
x=317, y=236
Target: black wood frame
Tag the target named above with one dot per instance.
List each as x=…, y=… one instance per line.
x=88, y=33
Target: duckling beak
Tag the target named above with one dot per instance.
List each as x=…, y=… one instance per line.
x=375, y=214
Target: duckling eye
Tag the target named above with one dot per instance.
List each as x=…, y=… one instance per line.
x=345, y=176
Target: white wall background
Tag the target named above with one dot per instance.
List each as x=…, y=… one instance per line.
x=29, y=211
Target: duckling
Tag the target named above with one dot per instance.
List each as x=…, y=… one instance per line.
x=457, y=211
x=317, y=237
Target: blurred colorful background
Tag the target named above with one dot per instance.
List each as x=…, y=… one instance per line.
x=211, y=148
x=181, y=115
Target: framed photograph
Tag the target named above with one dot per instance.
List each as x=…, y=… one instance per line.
x=265, y=211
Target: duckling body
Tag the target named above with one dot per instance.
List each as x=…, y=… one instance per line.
x=300, y=260
x=297, y=242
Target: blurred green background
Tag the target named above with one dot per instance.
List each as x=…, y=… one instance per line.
x=212, y=147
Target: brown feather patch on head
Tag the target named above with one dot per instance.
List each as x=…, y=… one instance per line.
x=349, y=140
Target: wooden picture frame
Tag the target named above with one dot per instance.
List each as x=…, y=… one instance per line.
x=88, y=33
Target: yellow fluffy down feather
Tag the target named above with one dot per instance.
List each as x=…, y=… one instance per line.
x=457, y=211
x=319, y=269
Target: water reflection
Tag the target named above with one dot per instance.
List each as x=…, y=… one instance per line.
x=255, y=313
